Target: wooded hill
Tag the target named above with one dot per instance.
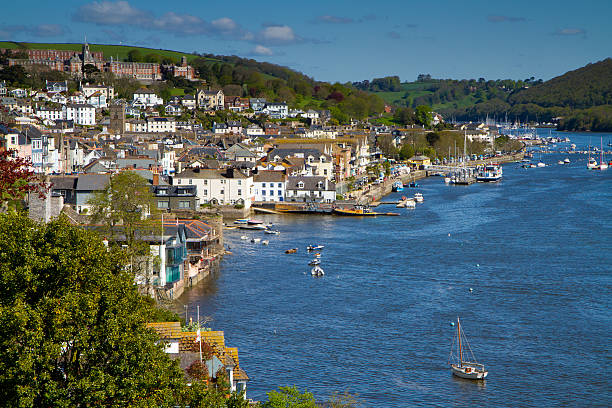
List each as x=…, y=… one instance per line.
x=583, y=97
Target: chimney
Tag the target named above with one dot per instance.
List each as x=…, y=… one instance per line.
x=155, y=179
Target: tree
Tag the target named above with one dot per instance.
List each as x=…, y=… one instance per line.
x=72, y=325
x=423, y=115
x=289, y=397
x=89, y=69
x=16, y=179
x=124, y=203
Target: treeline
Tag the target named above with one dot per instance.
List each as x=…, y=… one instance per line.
x=596, y=119
x=386, y=84
x=250, y=78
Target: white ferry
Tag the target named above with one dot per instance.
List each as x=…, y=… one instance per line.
x=489, y=172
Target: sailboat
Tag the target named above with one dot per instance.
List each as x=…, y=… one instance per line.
x=461, y=368
x=602, y=164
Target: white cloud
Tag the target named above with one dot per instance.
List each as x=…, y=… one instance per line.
x=571, y=31
x=41, y=30
x=333, y=19
x=184, y=24
x=225, y=24
x=261, y=50
x=277, y=34
x=111, y=13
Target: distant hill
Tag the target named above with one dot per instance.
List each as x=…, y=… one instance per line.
x=583, y=97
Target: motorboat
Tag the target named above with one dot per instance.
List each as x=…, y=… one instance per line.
x=254, y=222
x=244, y=237
x=265, y=242
x=470, y=370
x=397, y=186
x=410, y=204
x=291, y=251
x=447, y=180
x=314, y=262
x=252, y=227
x=241, y=221
x=317, y=255
x=355, y=211
x=592, y=164
x=256, y=240
x=317, y=271
x=271, y=231
x=566, y=160
x=315, y=247
x=561, y=162
x=418, y=197
x=541, y=164
x=489, y=173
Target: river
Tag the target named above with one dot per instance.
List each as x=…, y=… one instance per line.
x=536, y=248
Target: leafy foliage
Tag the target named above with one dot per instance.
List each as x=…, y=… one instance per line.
x=17, y=179
x=72, y=326
x=289, y=397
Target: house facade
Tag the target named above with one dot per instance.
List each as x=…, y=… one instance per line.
x=215, y=186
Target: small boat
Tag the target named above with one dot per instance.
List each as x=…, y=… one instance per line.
x=317, y=255
x=271, y=231
x=397, y=186
x=566, y=160
x=561, y=162
x=291, y=251
x=540, y=164
x=252, y=227
x=314, y=247
x=265, y=242
x=254, y=222
x=592, y=164
x=317, y=271
x=418, y=197
x=256, y=240
x=447, y=180
x=356, y=211
x=410, y=204
x=412, y=184
x=314, y=262
x=470, y=370
x=244, y=237
x=241, y=221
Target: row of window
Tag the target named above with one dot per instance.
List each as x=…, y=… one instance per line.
x=272, y=185
x=166, y=204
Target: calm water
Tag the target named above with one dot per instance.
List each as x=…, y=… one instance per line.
x=536, y=249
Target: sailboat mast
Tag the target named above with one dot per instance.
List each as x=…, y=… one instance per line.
x=459, y=337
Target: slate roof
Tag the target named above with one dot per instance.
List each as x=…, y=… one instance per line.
x=282, y=153
x=264, y=176
x=92, y=182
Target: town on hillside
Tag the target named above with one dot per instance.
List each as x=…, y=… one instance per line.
x=248, y=152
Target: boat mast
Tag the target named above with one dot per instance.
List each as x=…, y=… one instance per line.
x=459, y=337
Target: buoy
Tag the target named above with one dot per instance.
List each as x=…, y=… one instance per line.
x=449, y=234
x=452, y=323
x=478, y=265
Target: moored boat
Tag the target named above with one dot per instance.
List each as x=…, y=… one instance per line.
x=315, y=247
x=489, y=173
x=418, y=197
x=317, y=271
x=356, y=211
x=271, y=231
x=470, y=370
x=241, y=221
x=397, y=186
x=254, y=222
x=291, y=251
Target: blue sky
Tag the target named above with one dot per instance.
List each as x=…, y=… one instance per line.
x=341, y=40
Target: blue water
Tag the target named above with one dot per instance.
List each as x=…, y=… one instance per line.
x=536, y=248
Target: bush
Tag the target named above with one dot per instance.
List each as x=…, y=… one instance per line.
x=238, y=206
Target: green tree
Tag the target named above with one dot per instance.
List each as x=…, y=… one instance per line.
x=72, y=325
x=125, y=203
x=423, y=115
x=289, y=397
x=406, y=151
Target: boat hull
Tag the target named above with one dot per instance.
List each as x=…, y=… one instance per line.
x=468, y=373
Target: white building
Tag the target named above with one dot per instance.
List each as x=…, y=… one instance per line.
x=210, y=100
x=270, y=186
x=49, y=114
x=107, y=91
x=146, y=97
x=218, y=186
x=253, y=130
x=277, y=110
x=157, y=124
x=82, y=114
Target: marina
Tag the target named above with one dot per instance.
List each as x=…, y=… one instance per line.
x=507, y=257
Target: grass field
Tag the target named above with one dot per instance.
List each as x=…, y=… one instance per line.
x=116, y=51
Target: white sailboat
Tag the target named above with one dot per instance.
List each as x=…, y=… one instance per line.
x=462, y=368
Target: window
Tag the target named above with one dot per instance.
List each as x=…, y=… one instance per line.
x=280, y=193
x=263, y=192
x=205, y=192
x=263, y=184
x=162, y=192
x=271, y=192
x=280, y=185
x=178, y=181
x=205, y=182
x=163, y=204
x=190, y=181
x=300, y=184
x=239, y=192
x=222, y=192
x=239, y=182
x=325, y=172
x=184, y=204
